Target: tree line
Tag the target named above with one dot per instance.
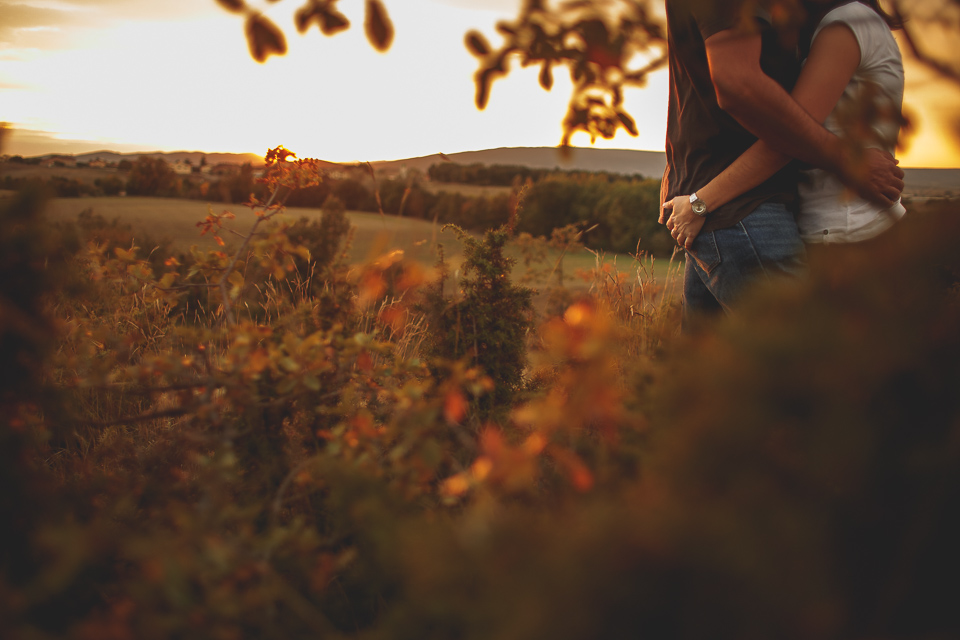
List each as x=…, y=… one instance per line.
x=619, y=211
x=505, y=175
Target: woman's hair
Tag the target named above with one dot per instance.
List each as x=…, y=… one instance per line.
x=892, y=21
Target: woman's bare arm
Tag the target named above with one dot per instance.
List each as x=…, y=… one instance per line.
x=834, y=56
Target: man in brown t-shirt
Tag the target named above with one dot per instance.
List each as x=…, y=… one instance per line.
x=729, y=76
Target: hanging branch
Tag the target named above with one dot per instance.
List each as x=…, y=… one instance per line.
x=913, y=23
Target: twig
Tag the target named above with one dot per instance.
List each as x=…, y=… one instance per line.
x=222, y=283
x=143, y=417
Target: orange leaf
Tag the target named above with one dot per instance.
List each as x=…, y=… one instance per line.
x=455, y=407
x=491, y=442
x=534, y=444
x=481, y=468
x=455, y=485
x=257, y=362
x=364, y=362
x=579, y=474
x=372, y=286
x=581, y=478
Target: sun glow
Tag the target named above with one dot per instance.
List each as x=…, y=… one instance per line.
x=184, y=80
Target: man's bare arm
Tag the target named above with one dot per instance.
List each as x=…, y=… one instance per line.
x=765, y=109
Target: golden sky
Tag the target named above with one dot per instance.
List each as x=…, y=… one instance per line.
x=136, y=75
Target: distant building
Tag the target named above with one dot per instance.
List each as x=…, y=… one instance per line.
x=182, y=167
x=97, y=163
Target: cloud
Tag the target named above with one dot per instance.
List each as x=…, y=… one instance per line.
x=31, y=142
x=55, y=24
x=140, y=10
x=23, y=22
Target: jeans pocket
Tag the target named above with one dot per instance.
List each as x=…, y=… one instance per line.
x=704, y=251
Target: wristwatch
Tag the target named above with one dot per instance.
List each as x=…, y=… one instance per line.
x=699, y=206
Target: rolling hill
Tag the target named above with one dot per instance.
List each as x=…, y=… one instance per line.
x=921, y=183
x=626, y=161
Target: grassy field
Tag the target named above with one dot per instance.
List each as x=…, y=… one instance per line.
x=469, y=190
x=164, y=218
x=82, y=174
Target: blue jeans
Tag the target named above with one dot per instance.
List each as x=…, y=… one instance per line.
x=721, y=264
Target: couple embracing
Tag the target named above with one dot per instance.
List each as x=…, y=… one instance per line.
x=733, y=196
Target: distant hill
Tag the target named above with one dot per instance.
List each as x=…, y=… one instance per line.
x=920, y=183
x=173, y=156
x=625, y=161
x=931, y=183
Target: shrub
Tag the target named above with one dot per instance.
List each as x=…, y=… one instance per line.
x=487, y=319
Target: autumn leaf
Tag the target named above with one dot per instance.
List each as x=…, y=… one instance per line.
x=257, y=362
x=477, y=44
x=333, y=22
x=372, y=286
x=628, y=123
x=482, y=79
x=236, y=6
x=546, y=76
x=579, y=475
x=455, y=486
x=454, y=407
x=378, y=26
x=264, y=38
x=365, y=362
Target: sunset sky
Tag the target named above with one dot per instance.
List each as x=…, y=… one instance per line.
x=138, y=75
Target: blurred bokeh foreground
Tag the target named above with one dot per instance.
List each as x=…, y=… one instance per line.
x=268, y=443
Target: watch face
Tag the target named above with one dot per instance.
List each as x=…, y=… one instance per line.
x=699, y=207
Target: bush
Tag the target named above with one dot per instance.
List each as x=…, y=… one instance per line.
x=486, y=321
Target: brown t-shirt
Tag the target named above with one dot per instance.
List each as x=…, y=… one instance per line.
x=702, y=138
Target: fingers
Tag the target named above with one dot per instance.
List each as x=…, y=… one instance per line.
x=680, y=237
x=664, y=209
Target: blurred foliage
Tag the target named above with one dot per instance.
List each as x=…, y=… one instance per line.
x=311, y=456
x=599, y=43
x=929, y=27
x=265, y=38
x=606, y=46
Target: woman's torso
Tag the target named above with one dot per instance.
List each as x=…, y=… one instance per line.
x=829, y=212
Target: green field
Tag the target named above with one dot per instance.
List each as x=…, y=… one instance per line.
x=176, y=220
x=469, y=190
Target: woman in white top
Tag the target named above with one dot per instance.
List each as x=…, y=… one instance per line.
x=853, y=76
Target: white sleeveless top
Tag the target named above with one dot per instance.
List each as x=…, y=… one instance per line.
x=828, y=211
